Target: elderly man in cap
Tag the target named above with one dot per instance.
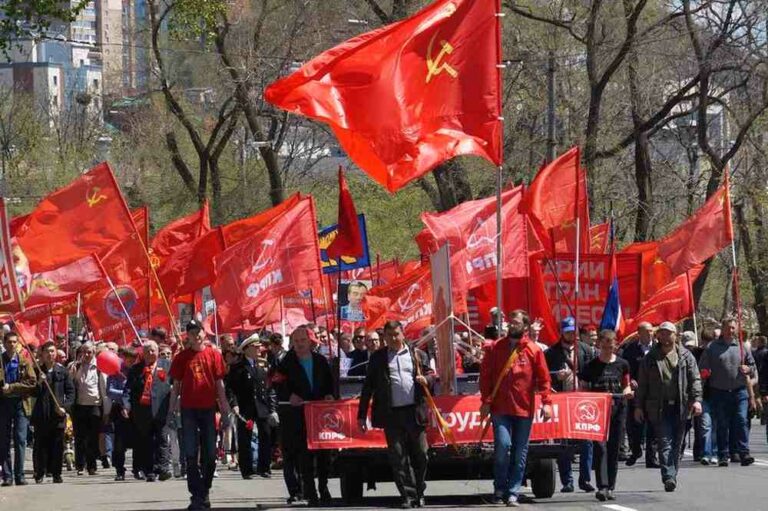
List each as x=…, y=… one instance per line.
x=255, y=405
x=198, y=373
x=633, y=352
x=563, y=366
x=668, y=392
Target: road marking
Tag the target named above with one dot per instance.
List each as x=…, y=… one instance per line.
x=617, y=507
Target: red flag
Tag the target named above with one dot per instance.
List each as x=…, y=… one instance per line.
x=105, y=313
x=179, y=233
x=407, y=299
x=539, y=306
x=470, y=230
x=10, y=298
x=408, y=96
x=240, y=229
x=599, y=236
x=280, y=259
x=85, y=217
x=703, y=235
x=552, y=204
x=65, y=282
x=655, y=272
x=673, y=302
x=348, y=240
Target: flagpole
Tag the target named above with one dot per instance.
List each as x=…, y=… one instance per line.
x=282, y=317
x=500, y=66
x=577, y=275
x=216, y=321
x=312, y=304
x=125, y=311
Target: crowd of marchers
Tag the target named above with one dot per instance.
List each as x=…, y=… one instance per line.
x=188, y=406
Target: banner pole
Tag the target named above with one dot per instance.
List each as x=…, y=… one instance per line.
x=125, y=311
x=576, y=278
x=216, y=321
x=282, y=317
x=499, y=260
x=312, y=305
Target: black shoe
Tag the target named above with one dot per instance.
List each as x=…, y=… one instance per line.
x=314, y=502
x=586, y=487
x=151, y=478
x=38, y=480
x=631, y=461
x=139, y=476
x=79, y=472
x=105, y=463
x=58, y=480
x=747, y=460
x=735, y=458
x=623, y=456
x=120, y=477
x=6, y=483
x=610, y=495
x=164, y=476
x=652, y=464
x=419, y=502
x=207, y=502
x=525, y=499
x=325, y=495
x=722, y=462
x=404, y=504
x=247, y=477
x=697, y=459
x=264, y=475
x=21, y=482
x=497, y=500
x=568, y=488
x=91, y=471
x=670, y=485
x=601, y=495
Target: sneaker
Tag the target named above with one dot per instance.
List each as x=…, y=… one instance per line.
x=706, y=462
x=747, y=460
x=105, y=463
x=120, y=477
x=568, y=488
x=735, y=458
x=151, y=478
x=38, y=480
x=631, y=461
x=164, y=476
x=610, y=495
x=513, y=502
x=58, y=480
x=601, y=495
x=404, y=504
x=92, y=472
x=7, y=483
x=670, y=485
x=420, y=502
x=497, y=500
x=525, y=499
x=722, y=462
x=21, y=482
x=586, y=487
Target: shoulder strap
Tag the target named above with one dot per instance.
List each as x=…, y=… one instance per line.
x=505, y=370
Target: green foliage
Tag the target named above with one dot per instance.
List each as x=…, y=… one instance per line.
x=19, y=18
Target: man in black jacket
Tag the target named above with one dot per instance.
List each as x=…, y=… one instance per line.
x=49, y=416
x=397, y=375
x=304, y=376
x=560, y=360
x=146, y=400
x=634, y=352
x=253, y=400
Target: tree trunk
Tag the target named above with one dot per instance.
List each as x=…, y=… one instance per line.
x=754, y=256
x=644, y=182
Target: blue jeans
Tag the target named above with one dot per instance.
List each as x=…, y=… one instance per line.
x=669, y=431
x=707, y=440
x=199, y=438
x=13, y=424
x=585, y=465
x=729, y=412
x=510, y=451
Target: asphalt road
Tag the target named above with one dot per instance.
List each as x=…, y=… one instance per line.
x=700, y=487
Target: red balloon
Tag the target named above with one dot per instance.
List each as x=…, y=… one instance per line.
x=108, y=363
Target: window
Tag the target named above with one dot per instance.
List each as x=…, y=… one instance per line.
x=95, y=83
x=55, y=80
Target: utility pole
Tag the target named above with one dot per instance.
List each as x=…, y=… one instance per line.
x=551, y=106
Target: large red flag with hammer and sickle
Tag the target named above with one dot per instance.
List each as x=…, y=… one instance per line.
x=408, y=96
x=280, y=259
x=407, y=299
x=85, y=217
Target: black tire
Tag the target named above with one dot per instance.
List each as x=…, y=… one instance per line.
x=351, y=482
x=543, y=478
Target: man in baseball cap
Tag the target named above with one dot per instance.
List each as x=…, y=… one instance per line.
x=563, y=369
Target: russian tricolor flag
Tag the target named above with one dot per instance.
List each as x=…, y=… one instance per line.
x=612, y=316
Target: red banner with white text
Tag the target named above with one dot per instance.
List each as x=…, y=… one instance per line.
x=576, y=415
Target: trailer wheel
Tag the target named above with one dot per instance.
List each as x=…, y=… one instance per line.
x=543, y=478
x=351, y=481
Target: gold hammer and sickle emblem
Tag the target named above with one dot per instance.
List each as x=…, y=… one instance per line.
x=94, y=197
x=437, y=65
x=153, y=259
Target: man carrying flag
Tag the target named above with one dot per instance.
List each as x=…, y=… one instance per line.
x=508, y=396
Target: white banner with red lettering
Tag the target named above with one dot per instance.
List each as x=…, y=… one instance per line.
x=576, y=415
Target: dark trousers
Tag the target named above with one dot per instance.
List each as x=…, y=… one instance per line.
x=244, y=452
x=48, y=451
x=86, y=421
x=291, y=452
x=606, y=454
x=14, y=427
x=640, y=433
x=121, y=441
x=670, y=429
x=199, y=432
x=729, y=413
x=151, y=447
x=407, y=450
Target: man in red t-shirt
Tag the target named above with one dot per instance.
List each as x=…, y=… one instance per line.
x=197, y=374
